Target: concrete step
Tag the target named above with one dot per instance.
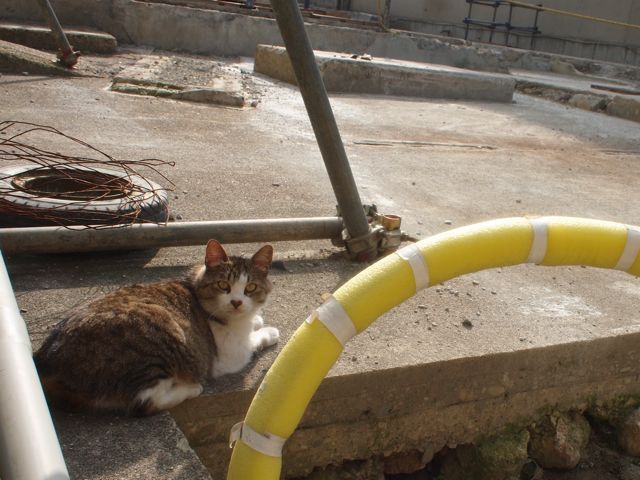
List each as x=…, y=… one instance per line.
x=382, y=76
x=109, y=448
x=596, y=94
x=35, y=36
x=16, y=58
x=195, y=26
x=425, y=407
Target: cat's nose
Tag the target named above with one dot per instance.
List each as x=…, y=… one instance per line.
x=236, y=303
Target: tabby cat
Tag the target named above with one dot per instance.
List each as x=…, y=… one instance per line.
x=146, y=348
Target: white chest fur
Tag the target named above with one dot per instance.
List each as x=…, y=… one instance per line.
x=233, y=346
x=237, y=341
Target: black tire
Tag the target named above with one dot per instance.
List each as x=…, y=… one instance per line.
x=20, y=207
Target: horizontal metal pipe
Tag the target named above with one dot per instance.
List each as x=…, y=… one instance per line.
x=140, y=236
x=29, y=447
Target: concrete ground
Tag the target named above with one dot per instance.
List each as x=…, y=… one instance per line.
x=457, y=361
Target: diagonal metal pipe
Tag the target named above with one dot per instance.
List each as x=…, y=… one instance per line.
x=324, y=125
x=29, y=447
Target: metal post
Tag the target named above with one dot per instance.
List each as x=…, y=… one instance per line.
x=468, y=20
x=29, y=447
x=506, y=38
x=324, y=124
x=535, y=29
x=67, y=56
x=386, y=14
x=140, y=236
x=496, y=5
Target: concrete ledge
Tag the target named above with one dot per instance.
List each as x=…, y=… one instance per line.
x=362, y=74
x=207, y=31
x=110, y=448
x=41, y=38
x=625, y=107
x=429, y=406
x=580, y=95
x=19, y=59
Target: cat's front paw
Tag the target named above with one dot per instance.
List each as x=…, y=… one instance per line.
x=265, y=337
x=258, y=322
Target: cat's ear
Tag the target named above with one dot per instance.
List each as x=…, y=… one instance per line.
x=262, y=258
x=215, y=254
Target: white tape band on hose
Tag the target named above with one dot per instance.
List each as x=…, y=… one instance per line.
x=334, y=317
x=631, y=249
x=267, y=444
x=413, y=255
x=540, y=238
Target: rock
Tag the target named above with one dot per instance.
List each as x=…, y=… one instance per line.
x=504, y=455
x=630, y=472
x=371, y=469
x=593, y=103
x=614, y=412
x=531, y=471
x=624, y=107
x=559, y=440
x=404, y=463
x=499, y=458
x=629, y=434
x=564, y=68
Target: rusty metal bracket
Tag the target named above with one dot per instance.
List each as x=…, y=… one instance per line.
x=384, y=236
x=67, y=56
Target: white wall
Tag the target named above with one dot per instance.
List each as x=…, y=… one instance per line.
x=454, y=11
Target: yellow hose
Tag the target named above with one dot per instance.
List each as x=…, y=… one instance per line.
x=306, y=359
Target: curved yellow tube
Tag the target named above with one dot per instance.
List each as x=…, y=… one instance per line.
x=306, y=359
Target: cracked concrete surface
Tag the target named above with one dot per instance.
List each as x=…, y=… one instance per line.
x=542, y=322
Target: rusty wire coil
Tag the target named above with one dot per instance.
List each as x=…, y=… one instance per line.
x=91, y=189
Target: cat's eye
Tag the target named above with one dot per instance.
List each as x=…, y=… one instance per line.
x=222, y=285
x=251, y=287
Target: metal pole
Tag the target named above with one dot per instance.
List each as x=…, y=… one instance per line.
x=506, y=38
x=321, y=116
x=386, y=14
x=468, y=20
x=68, y=57
x=29, y=447
x=496, y=5
x=535, y=29
x=140, y=236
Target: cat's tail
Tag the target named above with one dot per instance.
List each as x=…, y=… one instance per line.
x=61, y=396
